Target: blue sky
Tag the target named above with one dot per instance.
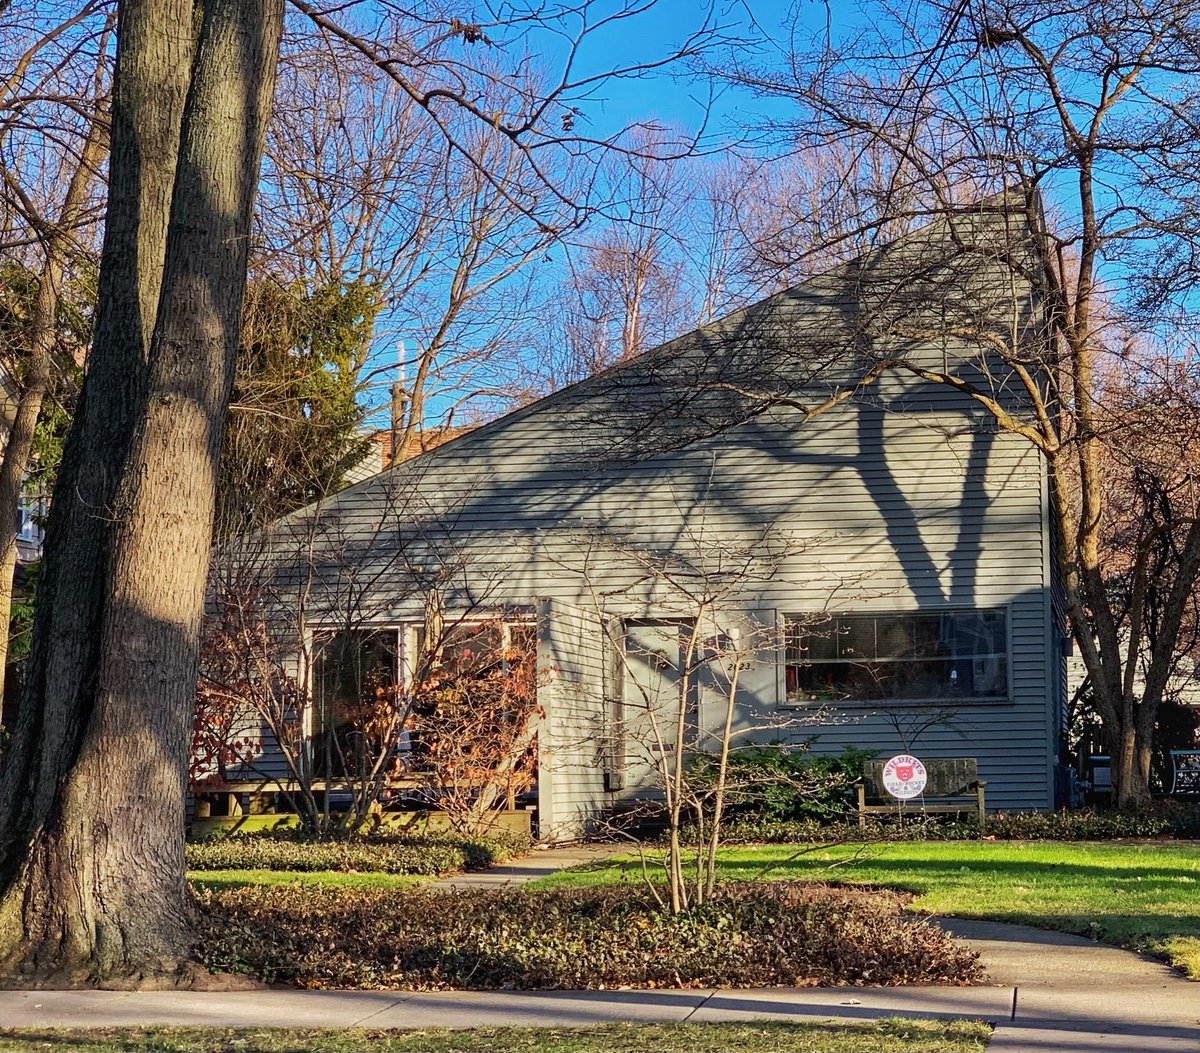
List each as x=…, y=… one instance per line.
x=675, y=97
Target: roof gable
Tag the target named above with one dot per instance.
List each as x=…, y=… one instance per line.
x=796, y=348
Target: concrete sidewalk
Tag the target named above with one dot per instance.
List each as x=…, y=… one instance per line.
x=383, y=1009
x=1054, y=993
x=1070, y=993
x=1114, y=1017
x=1046, y=992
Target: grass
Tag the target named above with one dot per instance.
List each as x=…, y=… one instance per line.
x=1143, y=897
x=914, y=1036
x=219, y=879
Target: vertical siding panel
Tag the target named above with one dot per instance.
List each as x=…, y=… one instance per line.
x=571, y=747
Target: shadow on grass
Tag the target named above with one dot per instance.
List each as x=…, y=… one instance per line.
x=220, y=880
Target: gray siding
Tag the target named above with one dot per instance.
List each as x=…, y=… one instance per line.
x=573, y=735
x=700, y=455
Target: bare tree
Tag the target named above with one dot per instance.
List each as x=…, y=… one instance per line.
x=360, y=185
x=92, y=890
x=698, y=237
x=304, y=669
x=680, y=629
x=1084, y=114
x=50, y=108
x=475, y=713
x=284, y=631
x=632, y=281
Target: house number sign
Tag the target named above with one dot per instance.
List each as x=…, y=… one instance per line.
x=904, y=777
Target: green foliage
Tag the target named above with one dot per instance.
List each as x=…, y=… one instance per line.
x=293, y=429
x=1089, y=825
x=777, y=783
x=218, y=879
x=749, y=935
x=294, y=421
x=374, y=853
x=1166, y=819
x=20, y=626
x=50, y=435
x=76, y=305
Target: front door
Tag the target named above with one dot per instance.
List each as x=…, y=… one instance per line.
x=654, y=701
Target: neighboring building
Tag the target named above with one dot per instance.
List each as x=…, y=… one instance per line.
x=33, y=509
x=889, y=557
x=33, y=512
x=381, y=456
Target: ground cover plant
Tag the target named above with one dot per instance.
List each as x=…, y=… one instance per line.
x=1142, y=896
x=749, y=935
x=379, y=853
x=1168, y=819
x=875, y=1036
x=215, y=879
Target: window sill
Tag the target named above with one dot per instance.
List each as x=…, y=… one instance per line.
x=906, y=703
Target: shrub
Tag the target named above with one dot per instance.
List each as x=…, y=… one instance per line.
x=782, y=783
x=1166, y=819
x=1184, y=817
x=377, y=853
x=749, y=935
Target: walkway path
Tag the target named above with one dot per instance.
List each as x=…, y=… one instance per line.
x=1069, y=993
x=1048, y=992
x=530, y=867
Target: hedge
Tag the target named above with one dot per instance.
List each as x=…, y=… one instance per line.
x=750, y=935
x=1167, y=819
x=376, y=853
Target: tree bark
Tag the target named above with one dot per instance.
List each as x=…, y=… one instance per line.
x=100, y=895
x=36, y=382
x=155, y=48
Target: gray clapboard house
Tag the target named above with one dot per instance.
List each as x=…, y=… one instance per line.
x=879, y=546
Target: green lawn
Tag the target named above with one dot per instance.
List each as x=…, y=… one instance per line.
x=884, y=1036
x=1142, y=896
x=217, y=879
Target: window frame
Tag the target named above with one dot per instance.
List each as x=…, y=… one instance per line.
x=789, y=618
x=319, y=635
x=407, y=631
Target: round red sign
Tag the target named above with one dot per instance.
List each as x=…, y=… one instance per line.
x=904, y=777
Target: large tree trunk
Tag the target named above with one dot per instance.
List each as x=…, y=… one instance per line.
x=1129, y=757
x=100, y=895
x=155, y=49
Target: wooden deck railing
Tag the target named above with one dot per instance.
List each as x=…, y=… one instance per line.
x=257, y=790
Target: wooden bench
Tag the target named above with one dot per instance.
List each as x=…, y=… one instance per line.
x=953, y=782
x=261, y=797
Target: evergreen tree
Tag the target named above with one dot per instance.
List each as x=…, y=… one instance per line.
x=294, y=425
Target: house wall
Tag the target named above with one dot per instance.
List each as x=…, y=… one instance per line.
x=626, y=493
x=872, y=509
x=573, y=730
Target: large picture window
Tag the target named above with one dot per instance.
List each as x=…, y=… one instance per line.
x=898, y=657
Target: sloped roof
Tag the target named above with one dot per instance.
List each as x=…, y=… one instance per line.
x=798, y=344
